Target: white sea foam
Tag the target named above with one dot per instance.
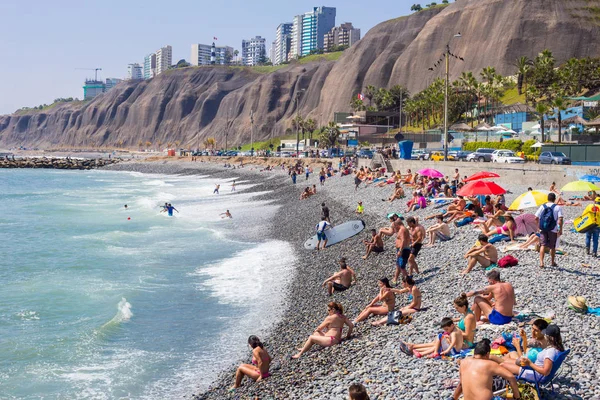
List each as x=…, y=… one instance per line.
x=123, y=314
x=28, y=315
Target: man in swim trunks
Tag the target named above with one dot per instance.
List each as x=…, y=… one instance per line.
x=321, y=236
x=341, y=280
x=440, y=230
x=417, y=234
x=216, y=189
x=499, y=312
x=485, y=254
x=373, y=245
x=477, y=375
x=402, y=251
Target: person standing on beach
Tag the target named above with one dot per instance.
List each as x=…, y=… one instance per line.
x=293, y=174
x=402, y=251
x=233, y=186
x=321, y=236
x=550, y=219
x=501, y=311
x=591, y=236
x=325, y=212
x=417, y=234
x=322, y=174
x=307, y=172
x=216, y=189
x=341, y=280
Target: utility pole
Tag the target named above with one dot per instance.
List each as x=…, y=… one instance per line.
x=401, y=101
x=447, y=55
x=251, y=133
x=298, y=121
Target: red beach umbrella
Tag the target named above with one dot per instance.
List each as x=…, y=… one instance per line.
x=482, y=175
x=483, y=188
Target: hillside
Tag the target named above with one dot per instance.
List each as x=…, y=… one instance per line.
x=191, y=104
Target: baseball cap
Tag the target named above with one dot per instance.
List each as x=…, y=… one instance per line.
x=552, y=330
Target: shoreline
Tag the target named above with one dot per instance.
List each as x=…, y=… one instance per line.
x=372, y=356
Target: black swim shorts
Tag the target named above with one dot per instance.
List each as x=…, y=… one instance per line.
x=339, y=287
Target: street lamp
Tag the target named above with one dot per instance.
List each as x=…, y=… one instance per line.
x=298, y=120
x=447, y=55
x=251, y=133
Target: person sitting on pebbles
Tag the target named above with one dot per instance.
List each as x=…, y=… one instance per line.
x=373, y=245
x=467, y=323
x=398, y=193
x=329, y=333
x=449, y=342
x=414, y=296
x=384, y=303
x=483, y=253
x=341, y=280
x=500, y=312
x=259, y=369
x=440, y=230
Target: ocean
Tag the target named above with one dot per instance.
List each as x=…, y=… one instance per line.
x=99, y=301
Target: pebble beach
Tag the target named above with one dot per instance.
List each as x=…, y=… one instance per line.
x=372, y=356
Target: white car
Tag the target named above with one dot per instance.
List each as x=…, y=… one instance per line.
x=507, y=157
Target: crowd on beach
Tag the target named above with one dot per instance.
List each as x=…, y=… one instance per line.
x=529, y=358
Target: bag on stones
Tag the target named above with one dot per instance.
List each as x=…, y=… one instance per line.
x=507, y=261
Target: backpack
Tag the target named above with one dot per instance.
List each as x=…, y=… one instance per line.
x=547, y=221
x=507, y=261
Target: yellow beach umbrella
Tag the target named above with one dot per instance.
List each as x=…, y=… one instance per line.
x=530, y=199
x=579, y=186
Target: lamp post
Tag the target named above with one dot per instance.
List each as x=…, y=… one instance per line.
x=251, y=133
x=447, y=55
x=297, y=121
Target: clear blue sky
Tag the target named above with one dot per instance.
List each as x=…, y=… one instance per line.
x=44, y=41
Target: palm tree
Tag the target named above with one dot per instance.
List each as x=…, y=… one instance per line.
x=310, y=125
x=369, y=93
x=523, y=65
x=329, y=135
x=235, y=54
x=357, y=104
x=298, y=122
x=542, y=109
x=559, y=104
x=210, y=143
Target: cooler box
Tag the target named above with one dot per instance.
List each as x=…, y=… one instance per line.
x=405, y=147
x=586, y=222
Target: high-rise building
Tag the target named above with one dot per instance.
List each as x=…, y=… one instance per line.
x=282, y=44
x=150, y=66
x=111, y=83
x=343, y=35
x=134, y=71
x=309, y=29
x=254, y=50
x=201, y=54
x=92, y=88
x=164, y=58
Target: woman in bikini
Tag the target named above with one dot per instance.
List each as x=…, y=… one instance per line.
x=259, y=369
x=329, y=333
x=467, y=323
x=414, y=296
x=508, y=228
x=386, y=297
x=497, y=219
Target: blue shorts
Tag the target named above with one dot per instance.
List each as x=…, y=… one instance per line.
x=453, y=352
x=417, y=206
x=402, y=259
x=496, y=318
x=321, y=236
x=321, y=178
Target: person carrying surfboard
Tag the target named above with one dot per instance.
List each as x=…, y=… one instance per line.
x=321, y=236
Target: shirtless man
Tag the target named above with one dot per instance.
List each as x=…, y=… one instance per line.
x=398, y=193
x=226, y=214
x=440, y=230
x=417, y=234
x=375, y=244
x=386, y=299
x=486, y=254
x=394, y=226
x=402, y=251
x=341, y=280
x=500, y=312
x=457, y=205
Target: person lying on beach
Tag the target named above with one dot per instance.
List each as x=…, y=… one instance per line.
x=259, y=369
x=341, y=280
x=384, y=303
x=533, y=239
x=329, y=333
x=544, y=360
x=458, y=204
x=467, y=323
x=483, y=253
x=375, y=244
x=533, y=346
x=440, y=230
x=477, y=375
x=449, y=342
x=562, y=202
x=591, y=196
x=357, y=392
x=507, y=229
x=226, y=214
x=500, y=311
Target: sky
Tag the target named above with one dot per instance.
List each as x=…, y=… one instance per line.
x=43, y=42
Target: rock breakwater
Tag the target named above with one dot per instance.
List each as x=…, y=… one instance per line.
x=56, y=163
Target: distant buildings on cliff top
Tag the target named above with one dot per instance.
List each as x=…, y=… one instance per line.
x=308, y=33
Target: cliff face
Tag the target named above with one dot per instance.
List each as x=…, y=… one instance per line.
x=191, y=104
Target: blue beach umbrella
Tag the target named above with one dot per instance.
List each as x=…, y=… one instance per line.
x=590, y=178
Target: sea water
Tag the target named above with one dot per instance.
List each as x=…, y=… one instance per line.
x=99, y=301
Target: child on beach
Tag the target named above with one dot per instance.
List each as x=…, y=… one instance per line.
x=449, y=342
x=360, y=209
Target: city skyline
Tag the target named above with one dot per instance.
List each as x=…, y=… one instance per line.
x=59, y=33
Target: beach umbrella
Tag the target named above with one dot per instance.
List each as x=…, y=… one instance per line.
x=462, y=127
x=431, y=173
x=482, y=188
x=579, y=186
x=536, y=145
x=482, y=175
x=532, y=198
x=573, y=120
x=483, y=127
x=498, y=128
x=590, y=178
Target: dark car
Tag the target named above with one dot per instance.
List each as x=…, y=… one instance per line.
x=459, y=155
x=365, y=153
x=554, y=157
x=481, y=155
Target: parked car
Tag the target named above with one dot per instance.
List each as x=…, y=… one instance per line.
x=419, y=155
x=365, y=153
x=439, y=156
x=507, y=157
x=460, y=155
x=554, y=157
x=481, y=155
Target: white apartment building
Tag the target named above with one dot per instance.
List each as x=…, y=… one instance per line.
x=296, y=38
x=253, y=50
x=150, y=66
x=282, y=43
x=164, y=59
x=134, y=71
x=200, y=54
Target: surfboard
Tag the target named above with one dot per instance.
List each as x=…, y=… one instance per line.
x=337, y=234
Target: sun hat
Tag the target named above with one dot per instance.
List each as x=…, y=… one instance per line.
x=578, y=304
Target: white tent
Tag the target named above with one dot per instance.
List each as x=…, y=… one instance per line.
x=536, y=127
x=498, y=128
x=537, y=145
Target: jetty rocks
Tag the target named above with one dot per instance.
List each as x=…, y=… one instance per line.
x=56, y=163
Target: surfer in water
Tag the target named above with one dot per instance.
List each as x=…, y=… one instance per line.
x=216, y=189
x=169, y=209
x=226, y=214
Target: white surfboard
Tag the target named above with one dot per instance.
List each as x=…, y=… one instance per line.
x=337, y=234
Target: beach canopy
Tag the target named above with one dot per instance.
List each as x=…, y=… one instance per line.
x=590, y=178
x=462, y=127
x=482, y=175
x=579, y=186
x=431, y=173
x=573, y=120
x=483, y=127
x=526, y=224
x=536, y=145
x=532, y=198
x=498, y=128
x=482, y=188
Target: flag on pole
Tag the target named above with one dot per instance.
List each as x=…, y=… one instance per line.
x=361, y=96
